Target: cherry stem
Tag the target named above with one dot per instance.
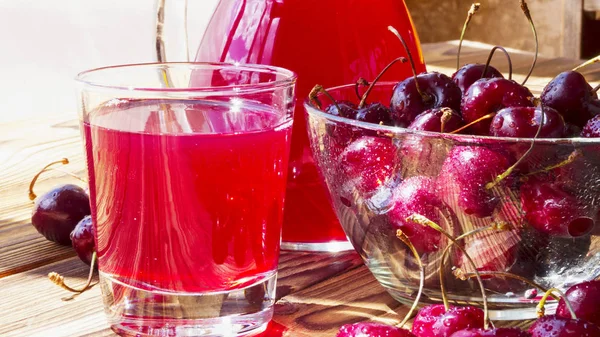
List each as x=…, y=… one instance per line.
x=32, y=195
x=572, y=157
x=488, y=116
x=366, y=94
x=424, y=221
x=59, y=280
x=587, y=63
x=317, y=89
x=446, y=115
x=474, y=8
x=595, y=90
x=460, y=274
x=494, y=226
x=424, y=96
x=525, y=10
x=489, y=59
x=400, y=235
x=508, y=171
x=540, y=307
x=359, y=82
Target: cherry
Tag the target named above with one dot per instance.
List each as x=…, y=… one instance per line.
x=421, y=92
x=470, y=73
x=371, y=329
x=584, y=298
x=341, y=133
x=437, y=120
x=82, y=239
x=369, y=162
x=435, y=321
x=591, y=129
x=417, y=195
x=489, y=95
x=497, y=332
x=523, y=122
x=571, y=95
x=552, y=210
x=470, y=169
x=553, y=326
x=436, y=91
x=375, y=113
x=57, y=212
x=345, y=109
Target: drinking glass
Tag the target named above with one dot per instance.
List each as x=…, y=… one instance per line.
x=187, y=166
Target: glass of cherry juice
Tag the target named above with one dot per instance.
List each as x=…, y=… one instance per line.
x=187, y=167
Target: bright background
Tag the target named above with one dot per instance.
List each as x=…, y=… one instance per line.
x=45, y=43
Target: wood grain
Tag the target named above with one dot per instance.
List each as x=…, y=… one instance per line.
x=316, y=292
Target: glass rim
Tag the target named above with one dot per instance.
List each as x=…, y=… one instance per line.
x=289, y=78
x=311, y=109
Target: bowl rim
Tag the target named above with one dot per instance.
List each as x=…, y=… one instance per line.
x=311, y=109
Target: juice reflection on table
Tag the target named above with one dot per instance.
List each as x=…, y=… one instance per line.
x=327, y=42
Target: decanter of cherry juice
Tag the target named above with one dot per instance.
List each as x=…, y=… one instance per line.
x=330, y=42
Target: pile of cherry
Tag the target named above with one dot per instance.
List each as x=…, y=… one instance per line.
x=62, y=215
x=547, y=190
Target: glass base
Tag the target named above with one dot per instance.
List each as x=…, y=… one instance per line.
x=330, y=247
x=135, y=312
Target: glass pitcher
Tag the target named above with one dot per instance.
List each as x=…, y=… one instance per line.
x=327, y=42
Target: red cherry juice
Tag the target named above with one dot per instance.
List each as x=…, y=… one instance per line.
x=187, y=196
x=327, y=42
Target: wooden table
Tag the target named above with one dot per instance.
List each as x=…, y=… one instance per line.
x=317, y=292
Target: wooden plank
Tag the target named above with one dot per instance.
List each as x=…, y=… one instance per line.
x=591, y=5
x=572, y=21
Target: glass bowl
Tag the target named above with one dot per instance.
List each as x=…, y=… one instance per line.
x=539, y=223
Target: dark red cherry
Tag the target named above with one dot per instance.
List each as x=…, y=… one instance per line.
x=407, y=102
x=82, y=239
x=416, y=195
x=342, y=134
x=465, y=174
x=57, y=212
x=497, y=332
x=489, y=95
x=347, y=109
x=431, y=120
x=553, y=210
x=375, y=113
x=369, y=162
x=552, y=326
x=585, y=299
x=571, y=95
x=371, y=329
x=470, y=73
x=435, y=321
x=591, y=129
x=524, y=122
